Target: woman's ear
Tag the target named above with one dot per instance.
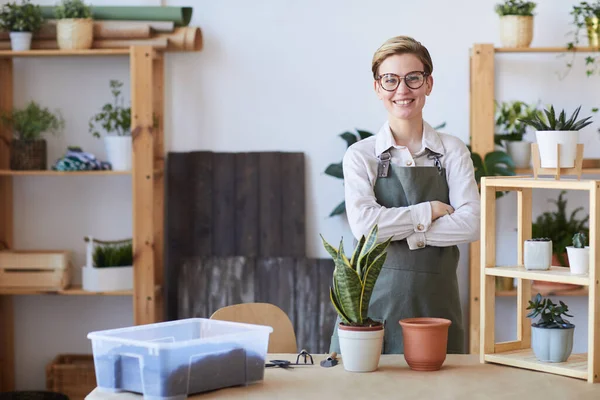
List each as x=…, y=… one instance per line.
x=376, y=89
x=429, y=84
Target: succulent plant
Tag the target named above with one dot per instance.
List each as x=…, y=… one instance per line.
x=579, y=240
x=354, y=278
x=550, y=313
x=557, y=124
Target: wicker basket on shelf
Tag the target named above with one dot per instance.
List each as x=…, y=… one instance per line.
x=516, y=30
x=28, y=155
x=71, y=374
x=75, y=33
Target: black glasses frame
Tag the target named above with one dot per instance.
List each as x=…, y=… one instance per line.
x=401, y=78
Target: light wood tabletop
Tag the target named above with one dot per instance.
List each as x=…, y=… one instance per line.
x=461, y=377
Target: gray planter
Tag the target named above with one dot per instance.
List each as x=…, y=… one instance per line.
x=552, y=344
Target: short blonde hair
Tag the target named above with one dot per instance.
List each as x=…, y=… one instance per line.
x=401, y=45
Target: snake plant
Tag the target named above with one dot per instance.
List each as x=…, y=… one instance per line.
x=354, y=278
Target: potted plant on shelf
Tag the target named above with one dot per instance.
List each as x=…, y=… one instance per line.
x=115, y=120
x=557, y=130
x=109, y=265
x=579, y=254
x=28, y=150
x=537, y=253
x=361, y=338
x=552, y=335
x=516, y=22
x=586, y=15
x=21, y=21
x=512, y=130
x=74, y=26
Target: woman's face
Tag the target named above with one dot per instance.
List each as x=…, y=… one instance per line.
x=404, y=102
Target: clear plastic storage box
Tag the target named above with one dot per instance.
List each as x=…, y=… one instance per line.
x=171, y=360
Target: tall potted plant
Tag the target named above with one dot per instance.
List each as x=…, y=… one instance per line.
x=516, y=22
x=74, y=26
x=557, y=130
x=28, y=148
x=361, y=338
x=551, y=335
x=115, y=120
x=21, y=21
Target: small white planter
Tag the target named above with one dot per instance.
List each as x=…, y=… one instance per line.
x=107, y=279
x=552, y=345
x=360, y=349
x=520, y=152
x=537, y=255
x=119, y=152
x=547, y=141
x=20, y=41
x=579, y=260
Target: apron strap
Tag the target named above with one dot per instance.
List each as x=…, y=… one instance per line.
x=432, y=155
x=383, y=164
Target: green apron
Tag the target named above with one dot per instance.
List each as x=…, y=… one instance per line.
x=414, y=283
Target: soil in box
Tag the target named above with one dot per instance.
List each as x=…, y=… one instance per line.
x=208, y=367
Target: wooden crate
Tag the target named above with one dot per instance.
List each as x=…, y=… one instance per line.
x=39, y=269
x=71, y=374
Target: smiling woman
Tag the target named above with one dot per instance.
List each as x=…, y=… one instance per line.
x=418, y=186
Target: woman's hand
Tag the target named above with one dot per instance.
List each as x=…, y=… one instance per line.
x=439, y=209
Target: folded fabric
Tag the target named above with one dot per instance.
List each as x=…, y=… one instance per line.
x=77, y=160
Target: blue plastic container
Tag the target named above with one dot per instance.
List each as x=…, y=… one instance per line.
x=171, y=360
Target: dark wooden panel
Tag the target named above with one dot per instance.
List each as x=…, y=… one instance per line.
x=327, y=314
x=230, y=281
x=269, y=187
x=192, y=287
x=307, y=305
x=223, y=221
x=178, y=235
x=246, y=204
x=274, y=283
x=292, y=205
x=200, y=188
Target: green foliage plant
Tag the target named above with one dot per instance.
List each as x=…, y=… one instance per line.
x=114, y=117
x=551, y=314
x=515, y=7
x=117, y=254
x=508, y=120
x=355, y=278
x=72, y=9
x=560, y=123
x=24, y=17
x=31, y=122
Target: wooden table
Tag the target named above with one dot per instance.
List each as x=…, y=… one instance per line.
x=461, y=377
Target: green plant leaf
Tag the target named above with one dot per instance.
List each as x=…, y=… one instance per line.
x=371, y=275
x=349, y=289
x=364, y=134
x=333, y=252
x=356, y=252
x=349, y=137
x=339, y=209
x=335, y=170
x=338, y=308
x=368, y=246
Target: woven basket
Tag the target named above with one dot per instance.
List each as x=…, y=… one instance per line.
x=28, y=155
x=516, y=30
x=75, y=33
x=71, y=374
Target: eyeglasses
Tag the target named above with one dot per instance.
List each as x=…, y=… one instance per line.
x=413, y=80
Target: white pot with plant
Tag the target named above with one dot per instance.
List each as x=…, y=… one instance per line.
x=511, y=130
x=554, y=130
x=551, y=335
x=360, y=337
x=28, y=148
x=74, y=25
x=115, y=121
x=109, y=265
x=516, y=22
x=537, y=254
x=22, y=21
x=579, y=254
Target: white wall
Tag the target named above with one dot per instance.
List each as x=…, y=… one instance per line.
x=273, y=75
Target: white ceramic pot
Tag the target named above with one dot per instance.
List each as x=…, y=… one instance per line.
x=119, y=152
x=107, y=279
x=537, y=255
x=516, y=30
x=20, y=41
x=579, y=260
x=547, y=141
x=552, y=345
x=520, y=152
x=360, y=349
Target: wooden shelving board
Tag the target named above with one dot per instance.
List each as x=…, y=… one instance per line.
x=555, y=49
x=585, y=171
x=512, y=182
x=61, y=173
x=63, y=53
x=554, y=274
x=576, y=366
x=75, y=290
x=581, y=292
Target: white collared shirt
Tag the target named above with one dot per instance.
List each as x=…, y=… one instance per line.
x=412, y=223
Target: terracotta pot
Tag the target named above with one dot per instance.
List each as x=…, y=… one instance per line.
x=425, y=342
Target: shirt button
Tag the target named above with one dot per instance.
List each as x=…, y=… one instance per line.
x=409, y=163
x=420, y=244
x=420, y=227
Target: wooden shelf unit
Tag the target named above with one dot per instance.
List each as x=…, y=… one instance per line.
x=146, y=67
x=517, y=353
x=482, y=69
x=74, y=290
x=581, y=292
